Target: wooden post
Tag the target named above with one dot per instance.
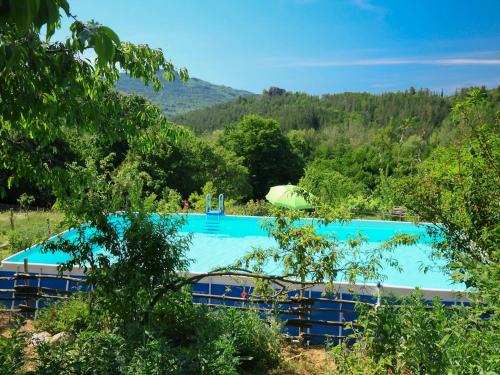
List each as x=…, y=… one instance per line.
x=48, y=227
x=12, y=219
x=379, y=297
x=27, y=282
x=302, y=316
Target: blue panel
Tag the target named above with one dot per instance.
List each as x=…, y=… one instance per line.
x=6, y=284
x=240, y=292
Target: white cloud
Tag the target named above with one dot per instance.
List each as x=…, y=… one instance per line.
x=367, y=5
x=364, y=4
x=396, y=61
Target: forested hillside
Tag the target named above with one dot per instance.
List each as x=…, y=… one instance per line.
x=352, y=112
x=178, y=97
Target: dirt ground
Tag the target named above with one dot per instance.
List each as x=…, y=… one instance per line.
x=304, y=361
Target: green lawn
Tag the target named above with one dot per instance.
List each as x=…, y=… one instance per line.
x=28, y=229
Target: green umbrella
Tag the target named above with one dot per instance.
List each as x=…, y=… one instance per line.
x=288, y=196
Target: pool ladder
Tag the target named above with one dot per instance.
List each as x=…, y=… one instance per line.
x=212, y=226
x=220, y=207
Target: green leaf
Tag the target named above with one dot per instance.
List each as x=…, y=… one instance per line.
x=65, y=6
x=444, y=340
x=52, y=18
x=24, y=12
x=104, y=48
x=110, y=34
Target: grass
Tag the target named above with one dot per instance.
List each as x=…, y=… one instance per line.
x=29, y=229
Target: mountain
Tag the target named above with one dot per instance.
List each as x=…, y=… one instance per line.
x=178, y=97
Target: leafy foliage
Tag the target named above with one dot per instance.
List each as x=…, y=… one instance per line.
x=12, y=346
x=329, y=184
x=186, y=164
x=266, y=153
x=458, y=190
x=66, y=316
x=181, y=338
x=414, y=336
x=47, y=87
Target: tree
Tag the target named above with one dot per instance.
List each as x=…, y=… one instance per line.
x=48, y=86
x=331, y=186
x=306, y=257
x=186, y=164
x=266, y=152
x=25, y=201
x=458, y=190
x=302, y=142
x=274, y=91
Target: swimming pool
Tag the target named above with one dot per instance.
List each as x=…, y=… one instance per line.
x=220, y=241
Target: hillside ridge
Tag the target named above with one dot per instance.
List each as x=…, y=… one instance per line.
x=354, y=111
x=179, y=97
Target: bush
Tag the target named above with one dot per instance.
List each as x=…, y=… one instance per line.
x=171, y=201
x=72, y=315
x=197, y=200
x=363, y=203
x=92, y=352
x=154, y=358
x=354, y=360
x=258, y=343
x=416, y=337
x=180, y=338
x=12, y=352
x=20, y=240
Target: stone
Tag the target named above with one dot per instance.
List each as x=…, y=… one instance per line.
x=60, y=337
x=40, y=338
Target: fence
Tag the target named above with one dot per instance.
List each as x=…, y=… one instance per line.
x=311, y=318
x=28, y=293
x=301, y=315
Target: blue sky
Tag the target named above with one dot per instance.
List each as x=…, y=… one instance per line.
x=316, y=46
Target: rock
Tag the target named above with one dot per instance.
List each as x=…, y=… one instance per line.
x=40, y=338
x=60, y=337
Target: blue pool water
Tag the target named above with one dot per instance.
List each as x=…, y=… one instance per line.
x=220, y=241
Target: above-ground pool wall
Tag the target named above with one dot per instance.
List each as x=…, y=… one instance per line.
x=339, y=310
x=46, y=285
x=328, y=316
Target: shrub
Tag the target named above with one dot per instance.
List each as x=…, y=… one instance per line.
x=20, y=240
x=180, y=338
x=354, y=360
x=154, y=358
x=12, y=347
x=197, y=200
x=257, y=208
x=258, y=343
x=72, y=315
x=416, y=337
x=171, y=201
x=92, y=352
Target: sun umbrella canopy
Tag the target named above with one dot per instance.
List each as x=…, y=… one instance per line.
x=288, y=196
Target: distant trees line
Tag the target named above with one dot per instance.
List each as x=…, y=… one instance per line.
x=346, y=110
x=349, y=149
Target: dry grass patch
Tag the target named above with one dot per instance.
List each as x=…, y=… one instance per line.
x=29, y=229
